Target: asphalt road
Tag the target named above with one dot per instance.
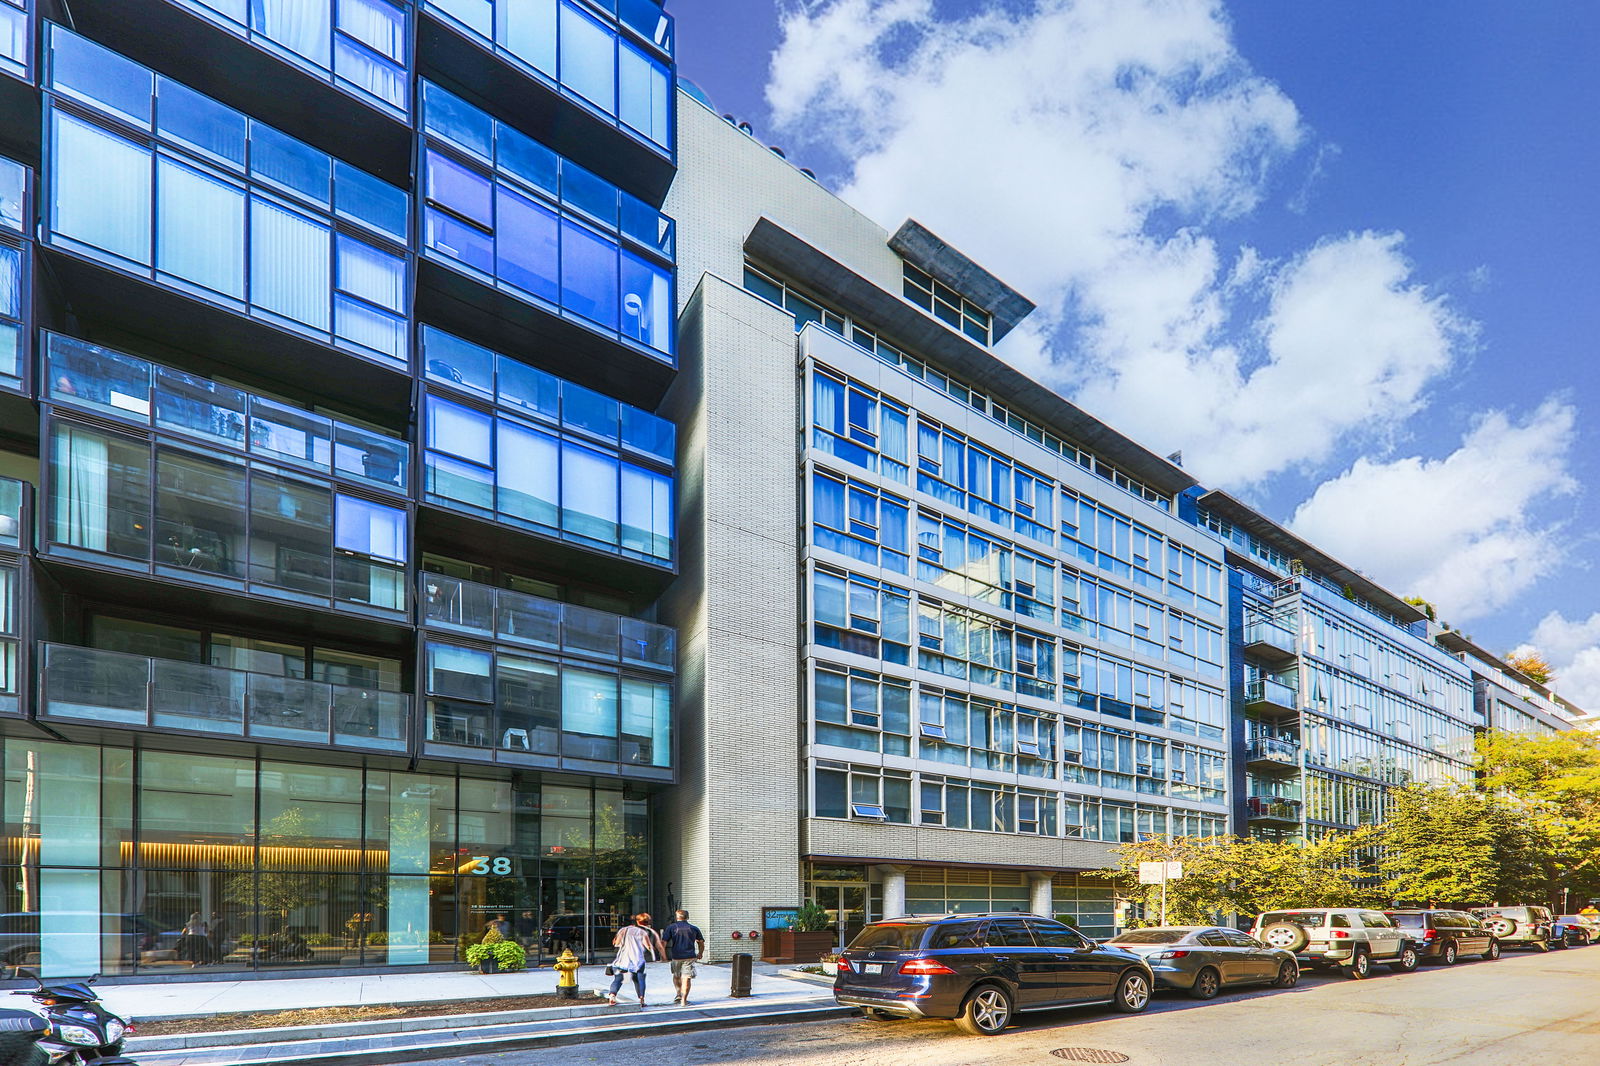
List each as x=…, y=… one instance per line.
x=1523, y=1009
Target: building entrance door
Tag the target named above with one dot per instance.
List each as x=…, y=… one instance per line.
x=846, y=905
x=568, y=919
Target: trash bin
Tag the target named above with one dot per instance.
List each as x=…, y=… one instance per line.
x=742, y=963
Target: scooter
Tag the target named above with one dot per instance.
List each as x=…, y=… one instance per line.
x=82, y=1030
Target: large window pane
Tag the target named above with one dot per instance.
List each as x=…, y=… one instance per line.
x=460, y=431
x=588, y=274
x=646, y=722
x=529, y=705
x=526, y=245
x=527, y=473
x=99, y=188
x=646, y=511
x=588, y=58
x=299, y=25
x=588, y=493
x=646, y=302
x=645, y=102
x=459, y=188
x=291, y=534
x=462, y=673
x=527, y=29
x=589, y=715
x=200, y=228
x=289, y=267
x=459, y=240
x=99, y=492
x=200, y=506
x=371, y=273
x=368, y=528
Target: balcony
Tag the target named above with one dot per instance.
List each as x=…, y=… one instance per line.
x=1266, y=698
x=1269, y=643
x=1270, y=753
x=509, y=617
x=103, y=687
x=1270, y=809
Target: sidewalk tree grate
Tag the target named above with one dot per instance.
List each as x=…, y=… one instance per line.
x=1088, y=1054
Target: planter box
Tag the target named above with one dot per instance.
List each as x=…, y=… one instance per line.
x=786, y=945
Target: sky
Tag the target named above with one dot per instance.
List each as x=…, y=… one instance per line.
x=1343, y=254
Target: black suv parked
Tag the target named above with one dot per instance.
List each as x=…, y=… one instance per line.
x=1446, y=935
x=981, y=969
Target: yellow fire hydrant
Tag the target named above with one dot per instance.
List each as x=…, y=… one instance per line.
x=566, y=967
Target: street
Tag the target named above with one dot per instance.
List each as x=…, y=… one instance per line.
x=1521, y=1009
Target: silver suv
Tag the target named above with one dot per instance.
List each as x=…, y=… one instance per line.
x=1519, y=927
x=1350, y=938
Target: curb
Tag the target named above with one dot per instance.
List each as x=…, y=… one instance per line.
x=460, y=1044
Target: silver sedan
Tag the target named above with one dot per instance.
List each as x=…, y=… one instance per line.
x=1203, y=959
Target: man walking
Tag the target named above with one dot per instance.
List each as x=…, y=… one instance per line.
x=685, y=944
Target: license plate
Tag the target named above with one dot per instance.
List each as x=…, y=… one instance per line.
x=872, y=967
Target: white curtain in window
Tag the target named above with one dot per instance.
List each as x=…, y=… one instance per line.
x=199, y=228
x=588, y=703
x=81, y=481
x=302, y=26
x=528, y=474
x=10, y=282
x=377, y=24
x=13, y=34
x=100, y=188
x=289, y=269
x=371, y=273
x=366, y=71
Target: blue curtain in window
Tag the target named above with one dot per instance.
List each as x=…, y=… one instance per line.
x=289, y=263
x=100, y=188
x=828, y=501
x=302, y=26
x=589, y=703
x=199, y=228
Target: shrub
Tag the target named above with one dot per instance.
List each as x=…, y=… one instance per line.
x=508, y=953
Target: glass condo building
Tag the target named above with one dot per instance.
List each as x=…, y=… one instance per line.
x=335, y=500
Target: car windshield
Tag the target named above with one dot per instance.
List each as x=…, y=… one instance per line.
x=1298, y=917
x=895, y=935
x=1150, y=936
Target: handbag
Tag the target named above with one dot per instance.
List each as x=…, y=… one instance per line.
x=611, y=971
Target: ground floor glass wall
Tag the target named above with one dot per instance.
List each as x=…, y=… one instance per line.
x=121, y=861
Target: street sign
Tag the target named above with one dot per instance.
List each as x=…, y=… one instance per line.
x=1159, y=873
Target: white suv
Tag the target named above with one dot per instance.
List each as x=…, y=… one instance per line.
x=1350, y=938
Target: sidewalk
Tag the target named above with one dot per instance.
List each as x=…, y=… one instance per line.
x=775, y=999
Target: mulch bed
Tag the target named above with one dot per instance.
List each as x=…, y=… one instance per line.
x=211, y=1023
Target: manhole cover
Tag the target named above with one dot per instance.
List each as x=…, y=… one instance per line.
x=1088, y=1054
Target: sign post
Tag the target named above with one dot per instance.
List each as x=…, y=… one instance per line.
x=1159, y=873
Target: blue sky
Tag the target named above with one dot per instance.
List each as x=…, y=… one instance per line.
x=1342, y=253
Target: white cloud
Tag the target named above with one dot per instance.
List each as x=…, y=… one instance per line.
x=1086, y=150
x=1573, y=651
x=1463, y=531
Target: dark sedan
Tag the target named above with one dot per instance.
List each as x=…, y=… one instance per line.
x=982, y=969
x=1203, y=959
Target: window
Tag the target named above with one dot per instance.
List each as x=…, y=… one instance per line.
x=945, y=304
x=848, y=791
x=858, y=520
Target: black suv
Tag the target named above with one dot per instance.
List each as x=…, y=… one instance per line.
x=1446, y=935
x=981, y=969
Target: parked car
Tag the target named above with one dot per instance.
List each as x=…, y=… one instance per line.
x=1565, y=934
x=1348, y=938
x=1518, y=927
x=567, y=931
x=980, y=970
x=1582, y=929
x=1204, y=959
x=1445, y=935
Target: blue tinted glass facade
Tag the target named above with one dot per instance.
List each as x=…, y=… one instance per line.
x=513, y=212
x=15, y=271
x=16, y=38
x=157, y=179
x=358, y=45
x=615, y=58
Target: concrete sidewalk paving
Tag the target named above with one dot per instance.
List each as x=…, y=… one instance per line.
x=192, y=998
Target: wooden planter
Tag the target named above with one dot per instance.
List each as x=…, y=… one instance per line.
x=786, y=945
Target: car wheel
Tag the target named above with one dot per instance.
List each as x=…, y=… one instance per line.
x=1207, y=983
x=1493, y=952
x=1286, y=935
x=1133, y=992
x=1540, y=945
x=1407, y=961
x=1449, y=957
x=1559, y=942
x=986, y=1011
x=1288, y=975
x=1360, y=966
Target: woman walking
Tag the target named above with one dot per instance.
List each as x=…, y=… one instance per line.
x=636, y=945
x=193, y=942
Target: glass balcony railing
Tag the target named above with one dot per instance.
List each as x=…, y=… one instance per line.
x=511, y=617
x=93, y=685
x=1270, y=808
x=127, y=388
x=1272, y=750
x=1266, y=692
x=1262, y=637
x=12, y=533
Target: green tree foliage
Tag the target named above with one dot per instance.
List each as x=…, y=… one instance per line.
x=1552, y=783
x=1456, y=847
x=1532, y=665
x=1225, y=875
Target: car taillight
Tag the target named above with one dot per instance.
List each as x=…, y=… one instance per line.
x=924, y=967
x=1170, y=955
x=1430, y=934
x=1339, y=934
x=844, y=965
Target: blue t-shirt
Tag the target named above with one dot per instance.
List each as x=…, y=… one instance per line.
x=681, y=938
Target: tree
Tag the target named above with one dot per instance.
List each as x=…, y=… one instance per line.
x=1551, y=783
x=1532, y=665
x=1231, y=875
x=1424, y=606
x=1456, y=847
